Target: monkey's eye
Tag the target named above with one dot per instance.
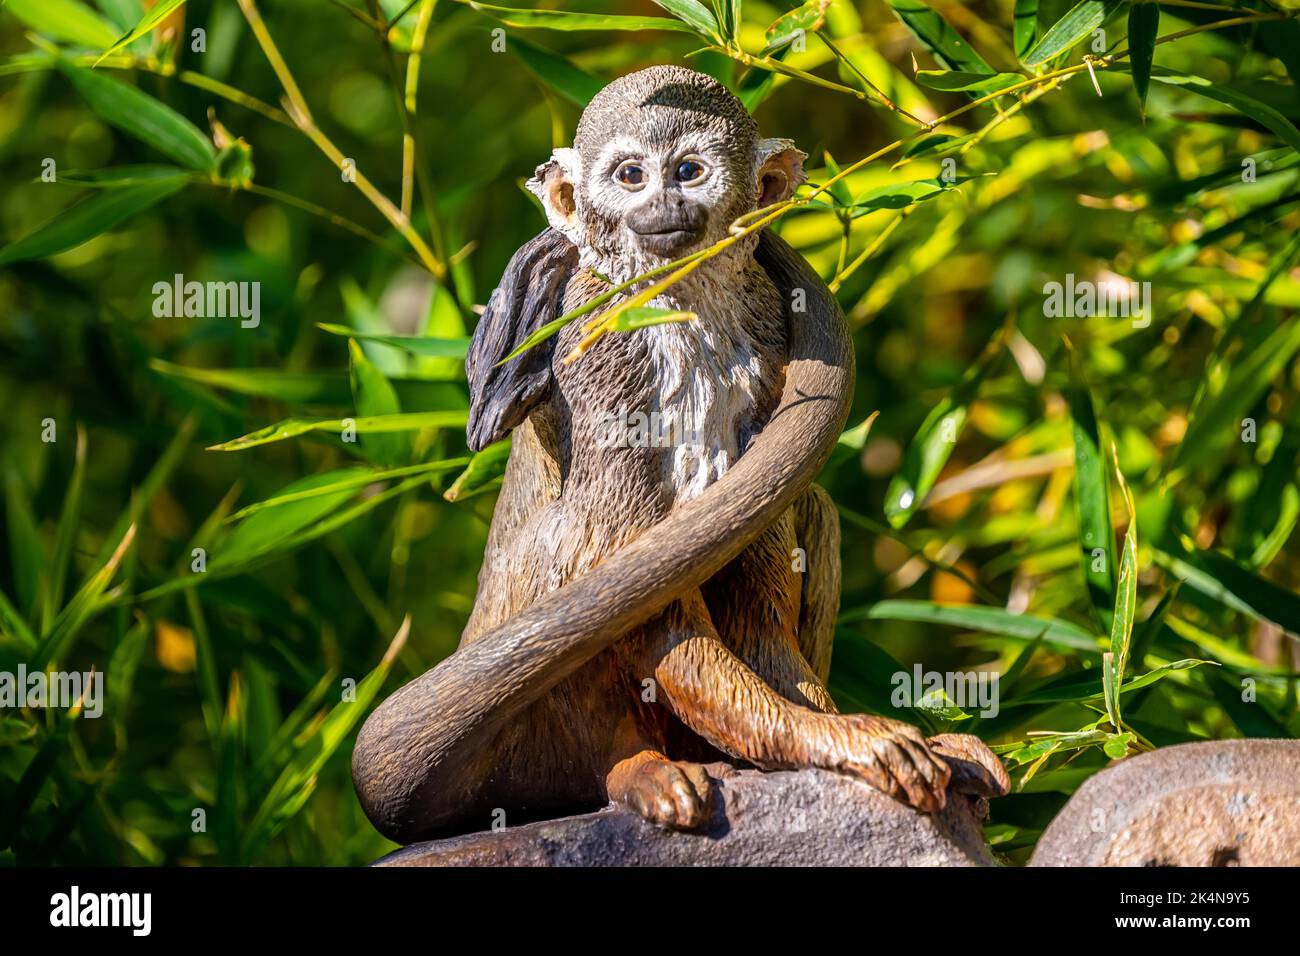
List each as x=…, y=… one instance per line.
x=630, y=175
x=689, y=170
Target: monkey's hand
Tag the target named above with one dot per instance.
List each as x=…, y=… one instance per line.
x=889, y=755
x=975, y=768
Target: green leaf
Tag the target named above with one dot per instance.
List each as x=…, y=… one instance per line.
x=695, y=15
x=934, y=442
x=87, y=219
x=938, y=36
x=304, y=502
x=1218, y=577
x=352, y=480
x=297, y=780
x=66, y=536
x=559, y=73
x=1143, y=24
x=64, y=20
x=901, y=195
x=956, y=81
x=324, y=387
x=1260, y=112
x=564, y=20
x=140, y=115
x=415, y=344
x=808, y=17
x=374, y=397
x=1092, y=502
x=34, y=776
x=115, y=177
x=85, y=604
x=483, y=472
x=642, y=316
x=975, y=618
x=1026, y=26
x=1077, y=23
x=13, y=627
x=293, y=427
x=160, y=12
x=1217, y=419
x=26, y=554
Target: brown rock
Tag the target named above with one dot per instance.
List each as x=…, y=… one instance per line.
x=803, y=818
x=1223, y=803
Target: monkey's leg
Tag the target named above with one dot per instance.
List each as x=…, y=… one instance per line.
x=817, y=535
x=754, y=604
x=671, y=793
x=713, y=692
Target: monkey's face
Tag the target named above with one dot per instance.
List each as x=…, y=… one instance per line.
x=664, y=198
x=664, y=161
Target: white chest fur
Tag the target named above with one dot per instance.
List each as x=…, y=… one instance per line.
x=708, y=380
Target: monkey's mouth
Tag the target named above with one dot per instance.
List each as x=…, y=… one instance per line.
x=670, y=241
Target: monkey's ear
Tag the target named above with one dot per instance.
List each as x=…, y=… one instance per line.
x=780, y=170
x=531, y=294
x=553, y=183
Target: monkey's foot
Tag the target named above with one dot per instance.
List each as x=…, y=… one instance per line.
x=673, y=794
x=892, y=757
x=975, y=768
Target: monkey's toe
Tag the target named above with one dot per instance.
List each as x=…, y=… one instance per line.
x=893, y=758
x=975, y=768
x=671, y=794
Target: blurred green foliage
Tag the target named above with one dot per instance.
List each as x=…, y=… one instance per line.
x=987, y=511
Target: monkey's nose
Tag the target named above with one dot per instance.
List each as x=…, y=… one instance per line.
x=668, y=225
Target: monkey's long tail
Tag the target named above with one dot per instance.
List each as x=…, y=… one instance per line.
x=410, y=753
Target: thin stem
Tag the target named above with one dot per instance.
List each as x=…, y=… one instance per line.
x=863, y=77
x=300, y=113
x=872, y=248
x=360, y=15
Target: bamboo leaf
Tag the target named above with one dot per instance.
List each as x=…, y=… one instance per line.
x=374, y=397
x=66, y=535
x=88, y=219
x=293, y=427
x=1143, y=24
x=483, y=472
x=558, y=72
x=974, y=618
x=67, y=20
x=564, y=20
x=958, y=81
x=938, y=36
x=297, y=780
x=1092, y=502
x=140, y=115
x=415, y=344
x=155, y=16
x=1078, y=22
x=934, y=442
x=1025, y=28
x=695, y=15
x=808, y=17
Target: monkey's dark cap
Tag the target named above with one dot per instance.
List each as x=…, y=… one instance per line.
x=663, y=102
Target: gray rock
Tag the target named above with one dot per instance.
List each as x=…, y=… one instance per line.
x=1222, y=803
x=803, y=818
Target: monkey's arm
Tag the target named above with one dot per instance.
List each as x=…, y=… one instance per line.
x=417, y=749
